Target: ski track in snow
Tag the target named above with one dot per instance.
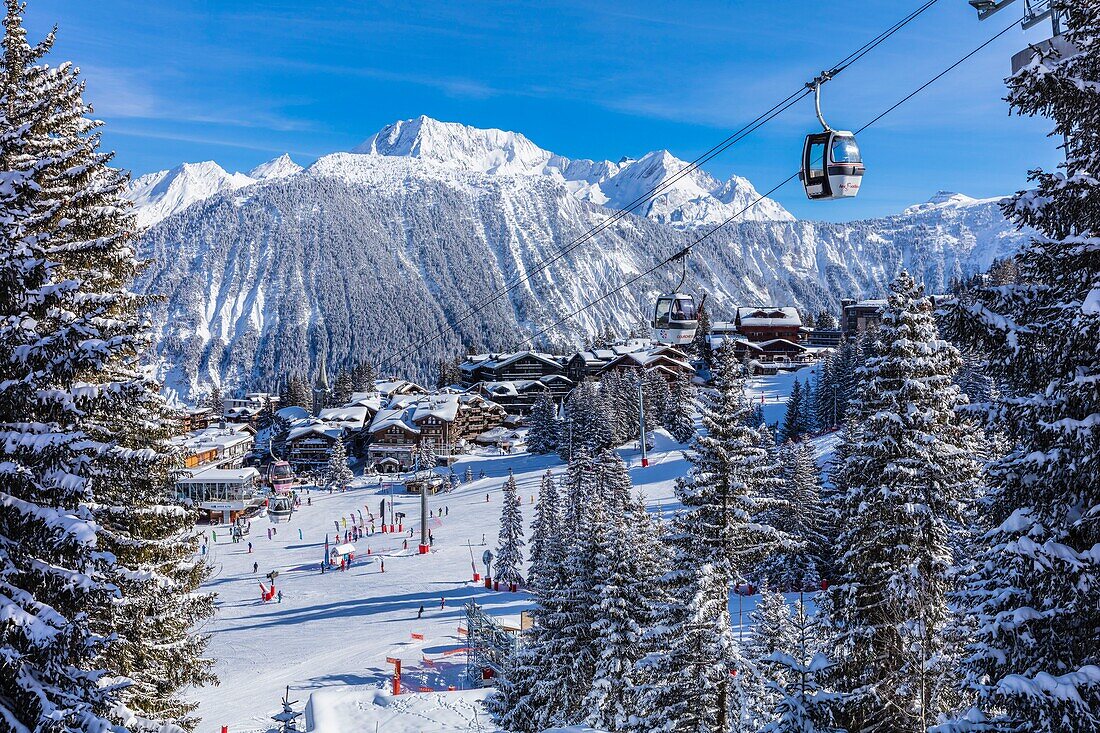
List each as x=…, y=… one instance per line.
x=333, y=632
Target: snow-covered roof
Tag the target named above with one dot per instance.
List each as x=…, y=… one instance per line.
x=372, y=400
x=351, y=417
x=780, y=342
x=444, y=407
x=388, y=418
x=345, y=549
x=315, y=427
x=872, y=303
x=498, y=434
x=220, y=475
x=389, y=387
x=292, y=413
x=497, y=361
x=768, y=316
x=220, y=438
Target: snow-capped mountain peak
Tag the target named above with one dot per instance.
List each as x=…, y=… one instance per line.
x=692, y=199
x=948, y=200
x=280, y=167
x=459, y=146
x=157, y=196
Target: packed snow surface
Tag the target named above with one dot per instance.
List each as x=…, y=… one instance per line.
x=330, y=636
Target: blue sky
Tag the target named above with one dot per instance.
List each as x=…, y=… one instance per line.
x=240, y=81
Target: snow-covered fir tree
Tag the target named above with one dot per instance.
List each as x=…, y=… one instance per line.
x=716, y=541
x=680, y=418
x=794, y=419
x=657, y=400
x=800, y=515
x=362, y=377
x=214, y=401
x=908, y=471
x=1031, y=595
x=771, y=632
x=524, y=699
x=509, y=560
x=587, y=425
x=797, y=669
x=337, y=472
x=99, y=576
x=342, y=388
x=542, y=437
x=628, y=557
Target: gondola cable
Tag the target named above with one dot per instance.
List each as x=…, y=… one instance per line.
x=686, y=250
x=710, y=154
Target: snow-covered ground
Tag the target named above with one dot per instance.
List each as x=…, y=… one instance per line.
x=331, y=634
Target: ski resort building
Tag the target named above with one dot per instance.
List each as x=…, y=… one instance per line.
x=859, y=316
x=221, y=447
x=446, y=421
x=593, y=362
x=769, y=323
x=670, y=362
x=521, y=366
x=308, y=445
x=224, y=494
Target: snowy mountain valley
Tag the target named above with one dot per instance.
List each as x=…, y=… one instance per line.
x=262, y=273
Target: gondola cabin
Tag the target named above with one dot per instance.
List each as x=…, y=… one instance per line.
x=674, y=319
x=832, y=167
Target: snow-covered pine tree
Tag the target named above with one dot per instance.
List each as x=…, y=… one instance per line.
x=809, y=412
x=337, y=472
x=1032, y=594
x=587, y=422
x=92, y=542
x=657, y=400
x=362, y=376
x=680, y=419
x=625, y=553
x=509, y=560
x=525, y=699
x=700, y=345
x=621, y=397
x=793, y=425
x=771, y=631
x=801, y=516
x=342, y=388
x=798, y=667
x=824, y=392
x=214, y=402
x=908, y=472
x=716, y=541
x=542, y=437
x=424, y=456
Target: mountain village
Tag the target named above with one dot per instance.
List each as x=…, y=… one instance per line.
x=447, y=432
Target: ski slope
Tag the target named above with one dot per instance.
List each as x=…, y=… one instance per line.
x=329, y=638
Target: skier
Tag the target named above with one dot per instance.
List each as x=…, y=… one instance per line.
x=383, y=566
x=486, y=498
x=420, y=613
x=269, y=532
x=280, y=596
x=255, y=567
x=249, y=548
x=447, y=511
x=309, y=501
x=214, y=535
x=406, y=544
x=431, y=539
x=442, y=602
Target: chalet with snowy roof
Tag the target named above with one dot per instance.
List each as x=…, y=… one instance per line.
x=445, y=420
x=309, y=444
x=218, y=447
x=390, y=388
x=518, y=397
x=517, y=366
x=196, y=418
x=590, y=362
x=668, y=361
x=858, y=316
x=247, y=408
x=768, y=324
